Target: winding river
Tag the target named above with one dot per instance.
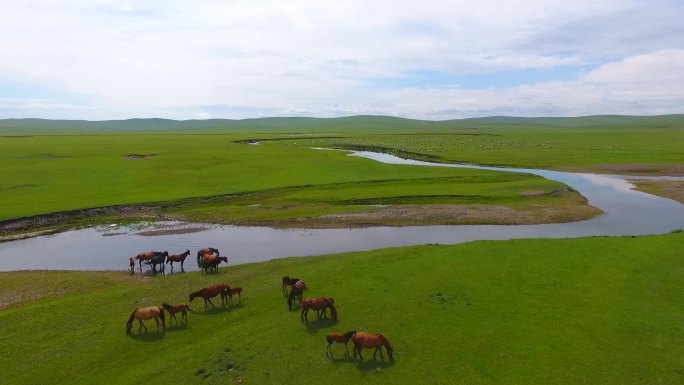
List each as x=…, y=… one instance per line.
x=627, y=212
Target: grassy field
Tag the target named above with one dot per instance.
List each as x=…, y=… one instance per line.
x=199, y=170
x=577, y=311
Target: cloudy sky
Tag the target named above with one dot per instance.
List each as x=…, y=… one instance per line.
x=428, y=59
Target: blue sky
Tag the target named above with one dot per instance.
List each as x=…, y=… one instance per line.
x=434, y=59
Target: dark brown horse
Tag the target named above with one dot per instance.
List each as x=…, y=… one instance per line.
x=148, y=256
x=368, y=340
x=317, y=304
x=203, y=252
x=231, y=291
x=177, y=308
x=287, y=281
x=145, y=313
x=210, y=292
x=211, y=262
x=296, y=292
x=158, y=260
x=131, y=265
x=339, y=338
x=177, y=258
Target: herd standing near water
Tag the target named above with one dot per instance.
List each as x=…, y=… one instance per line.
x=208, y=260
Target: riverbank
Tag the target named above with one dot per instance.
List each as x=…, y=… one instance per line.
x=592, y=310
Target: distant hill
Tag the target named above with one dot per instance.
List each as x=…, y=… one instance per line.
x=349, y=123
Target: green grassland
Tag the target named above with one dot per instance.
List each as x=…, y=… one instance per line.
x=575, y=311
x=201, y=171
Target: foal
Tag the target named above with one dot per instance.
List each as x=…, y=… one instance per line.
x=145, y=313
x=230, y=291
x=210, y=292
x=339, y=338
x=177, y=308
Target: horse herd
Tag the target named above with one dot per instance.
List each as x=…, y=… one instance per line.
x=293, y=289
x=208, y=259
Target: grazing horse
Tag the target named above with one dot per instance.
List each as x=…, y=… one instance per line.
x=296, y=292
x=131, y=264
x=230, y=291
x=203, y=252
x=158, y=260
x=145, y=313
x=149, y=255
x=177, y=258
x=210, y=262
x=368, y=340
x=210, y=292
x=339, y=338
x=317, y=304
x=287, y=281
x=177, y=308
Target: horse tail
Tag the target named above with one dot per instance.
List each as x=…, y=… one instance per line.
x=162, y=316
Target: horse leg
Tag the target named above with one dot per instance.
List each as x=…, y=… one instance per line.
x=182, y=269
x=212, y=304
x=346, y=349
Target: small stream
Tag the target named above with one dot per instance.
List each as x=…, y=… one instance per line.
x=627, y=212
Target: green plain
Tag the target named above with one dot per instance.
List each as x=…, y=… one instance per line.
x=573, y=311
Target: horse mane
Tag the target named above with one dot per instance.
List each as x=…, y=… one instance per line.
x=348, y=334
x=195, y=294
x=166, y=305
x=132, y=317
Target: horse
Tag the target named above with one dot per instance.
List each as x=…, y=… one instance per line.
x=203, y=252
x=131, y=265
x=177, y=308
x=368, y=340
x=296, y=292
x=145, y=313
x=177, y=258
x=210, y=292
x=149, y=255
x=158, y=260
x=339, y=338
x=287, y=281
x=211, y=262
x=317, y=304
x=230, y=291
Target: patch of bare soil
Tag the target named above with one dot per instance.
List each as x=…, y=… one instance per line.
x=183, y=230
x=417, y=215
x=673, y=189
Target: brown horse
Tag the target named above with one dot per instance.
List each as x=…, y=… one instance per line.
x=296, y=292
x=177, y=258
x=210, y=292
x=287, y=281
x=148, y=256
x=317, y=304
x=368, y=340
x=177, y=308
x=339, y=338
x=145, y=313
x=203, y=252
x=210, y=262
x=230, y=291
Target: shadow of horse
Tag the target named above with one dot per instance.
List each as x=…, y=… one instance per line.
x=147, y=337
x=365, y=366
x=210, y=311
x=313, y=326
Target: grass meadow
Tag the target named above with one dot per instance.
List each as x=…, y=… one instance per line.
x=591, y=311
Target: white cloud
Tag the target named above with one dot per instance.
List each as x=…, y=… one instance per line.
x=320, y=57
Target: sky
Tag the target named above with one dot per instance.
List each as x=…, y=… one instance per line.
x=428, y=59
